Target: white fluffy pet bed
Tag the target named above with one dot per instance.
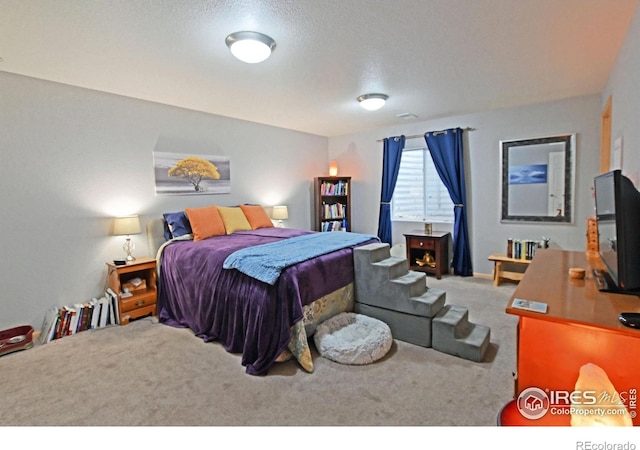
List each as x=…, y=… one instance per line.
x=350, y=338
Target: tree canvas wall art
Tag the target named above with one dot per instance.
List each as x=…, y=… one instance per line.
x=185, y=174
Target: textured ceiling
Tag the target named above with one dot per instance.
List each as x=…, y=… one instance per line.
x=434, y=58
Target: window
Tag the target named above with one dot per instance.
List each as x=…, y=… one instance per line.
x=420, y=195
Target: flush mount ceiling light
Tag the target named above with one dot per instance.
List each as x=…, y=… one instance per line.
x=371, y=102
x=250, y=46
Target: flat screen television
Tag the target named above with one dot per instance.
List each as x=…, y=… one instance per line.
x=618, y=216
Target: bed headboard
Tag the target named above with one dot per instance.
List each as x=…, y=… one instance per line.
x=155, y=235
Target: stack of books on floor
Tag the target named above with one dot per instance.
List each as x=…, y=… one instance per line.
x=71, y=319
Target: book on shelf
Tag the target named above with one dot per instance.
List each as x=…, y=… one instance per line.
x=335, y=225
x=521, y=248
x=333, y=211
x=339, y=187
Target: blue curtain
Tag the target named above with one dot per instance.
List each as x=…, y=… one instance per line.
x=445, y=148
x=392, y=153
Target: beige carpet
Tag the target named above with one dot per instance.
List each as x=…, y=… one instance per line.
x=147, y=373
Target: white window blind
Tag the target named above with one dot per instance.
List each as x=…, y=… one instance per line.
x=419, y=194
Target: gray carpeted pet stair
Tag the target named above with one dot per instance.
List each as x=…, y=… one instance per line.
x=452, y=333
x=386, y=290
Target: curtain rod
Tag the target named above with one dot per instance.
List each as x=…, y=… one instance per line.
x=434, y=133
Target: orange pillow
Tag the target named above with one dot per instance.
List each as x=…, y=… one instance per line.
x=205, y=222
x=257, y=216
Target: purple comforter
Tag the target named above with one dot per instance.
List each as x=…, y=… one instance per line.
x=245, y=315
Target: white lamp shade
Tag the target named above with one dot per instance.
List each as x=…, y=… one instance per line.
x=249, y=46
x=279, y=213
x=371, y=102
x=125, y=226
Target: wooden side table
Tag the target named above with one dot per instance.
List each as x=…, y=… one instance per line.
x=139, y=278
x=500, y=274
x=435, y=244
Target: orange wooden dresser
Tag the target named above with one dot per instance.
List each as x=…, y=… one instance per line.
x=580, y=326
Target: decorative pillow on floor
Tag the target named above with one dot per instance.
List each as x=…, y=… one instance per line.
x=350, y=338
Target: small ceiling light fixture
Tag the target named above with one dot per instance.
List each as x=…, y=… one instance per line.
x=250, y=46
x=371, y=102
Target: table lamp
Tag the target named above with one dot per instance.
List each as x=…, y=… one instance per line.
x=126, y=226
x=333, y=168
x=279, y=213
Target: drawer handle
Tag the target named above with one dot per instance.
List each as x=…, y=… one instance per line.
x=420, y=244
x=140, y=303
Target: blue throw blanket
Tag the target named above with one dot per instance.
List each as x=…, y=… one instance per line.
x=265, y=262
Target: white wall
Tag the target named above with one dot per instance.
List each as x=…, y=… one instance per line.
x=624, y=88
x=73, y=158
x=360, y=155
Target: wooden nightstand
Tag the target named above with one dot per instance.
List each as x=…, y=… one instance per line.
x=144, y=296
x=435, y=244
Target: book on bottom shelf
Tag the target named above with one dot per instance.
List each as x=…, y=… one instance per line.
x=104, y=311
x=71, y=318
x=76, y=318
x=48, y=325
x=114, y=309
x=66, y=320
x=63, y=322
x=86, y=316
x=95, y=313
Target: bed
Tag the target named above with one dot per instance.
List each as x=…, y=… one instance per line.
x=263, y=322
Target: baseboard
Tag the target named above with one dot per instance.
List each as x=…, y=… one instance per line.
x=486, y=276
